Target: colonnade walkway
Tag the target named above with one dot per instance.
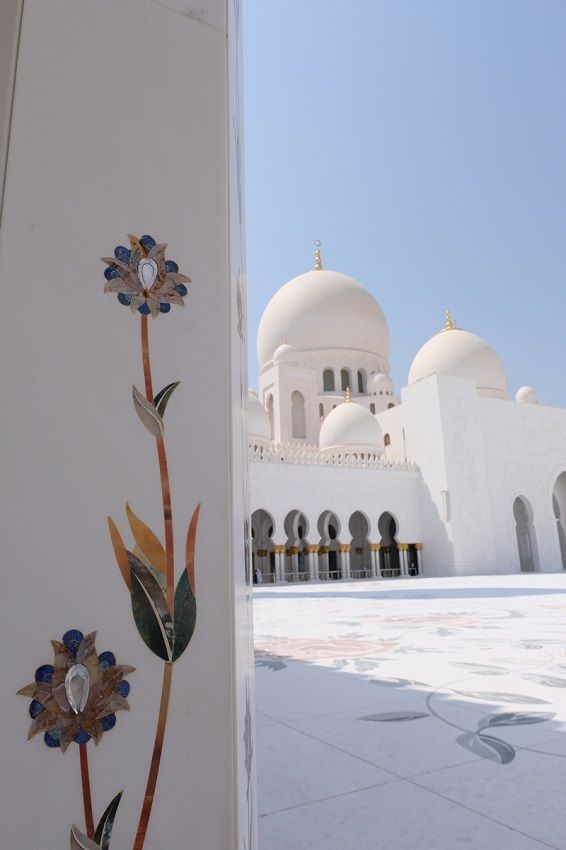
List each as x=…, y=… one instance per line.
x=425, y=714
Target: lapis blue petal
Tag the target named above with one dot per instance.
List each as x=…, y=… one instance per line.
x=144, y=309
x=110, y=272
x=181, y=289
x=82, y=737
x=123, y=688
x=123, y=298
x=44, y=673
x=108, y=722
x=171, y=266
x=35, y=708
x=122, y=253
x=53, y=738
x=106, y=660
x=164, y=307
x=147, y=242
x=72, y=640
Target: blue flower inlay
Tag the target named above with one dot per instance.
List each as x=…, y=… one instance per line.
x=123, y=688
x=108, y=722
x=82, y=737
x=35, y=708
x=44, y=673
x=72, y=640
x=122, y=253
x=53, y=739
x=106, y=660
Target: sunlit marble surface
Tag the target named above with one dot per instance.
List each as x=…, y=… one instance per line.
x=421, y=713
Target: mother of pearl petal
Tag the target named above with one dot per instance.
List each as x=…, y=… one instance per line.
x=147, y=272
x=77, y=685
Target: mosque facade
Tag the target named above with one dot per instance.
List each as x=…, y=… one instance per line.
x=351, y=480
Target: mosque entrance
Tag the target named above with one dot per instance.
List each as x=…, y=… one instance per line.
x=524, y=529
x=559, y=506
x=360, y=556
x=296, y=529
x=389, y=564
x=263, y=558
x=329, y=563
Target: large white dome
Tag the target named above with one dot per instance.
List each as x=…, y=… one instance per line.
x=461, y=354
x=322, y=310
x=351, y=426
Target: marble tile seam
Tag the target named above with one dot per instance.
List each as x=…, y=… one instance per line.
x=423, y=773
x=363, y=707
x=343, y=751
x=412, y=781
x=331, y=797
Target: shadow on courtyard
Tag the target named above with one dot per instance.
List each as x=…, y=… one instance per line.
x=354, y=751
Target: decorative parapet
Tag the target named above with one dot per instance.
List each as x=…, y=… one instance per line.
x=310, y=455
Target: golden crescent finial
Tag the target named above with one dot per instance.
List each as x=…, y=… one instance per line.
x=348, y=394
x=317, y=257
x=449, y=321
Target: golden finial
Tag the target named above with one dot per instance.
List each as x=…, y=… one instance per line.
x=317, y=257
x=449, y=322
x=348, y=394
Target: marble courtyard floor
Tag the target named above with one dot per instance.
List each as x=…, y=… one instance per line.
x=427, y=714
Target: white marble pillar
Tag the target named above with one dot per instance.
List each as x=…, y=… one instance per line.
x=311, y=556
x=279, y=551
x=374, y=550
x=125, y=120
x=419, y=548
x=293, y=555
x=403, y=562
x=345, y=560
x=323, y=563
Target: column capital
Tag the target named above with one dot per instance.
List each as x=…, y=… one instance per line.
x=293, y=550
x=279, y=550
x=323, y=550
x=403, y=547
x=374, y=547
x=418, y=546
x=313, y=548
x=262, y=553
x=344, y=547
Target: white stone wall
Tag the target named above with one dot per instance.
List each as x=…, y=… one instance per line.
x=120, y=125
x=525, y=452
x=280, y=488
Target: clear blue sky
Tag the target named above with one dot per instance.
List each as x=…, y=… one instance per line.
x=424, y=142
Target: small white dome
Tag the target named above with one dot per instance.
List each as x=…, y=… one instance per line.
x=322, y=310
x=379, y=382
x=351, y=426
x=285, y=354
x=526, y=395
x=258, y=418
x=461, y=354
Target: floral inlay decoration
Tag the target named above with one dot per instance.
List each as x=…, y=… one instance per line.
x=76, y=698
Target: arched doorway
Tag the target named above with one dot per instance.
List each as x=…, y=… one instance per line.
x=559, y=506
x=271, y=417
x=263, y=558
x=329, y=560
x=525, y=532
x=360, y=557
x=296, y=529
x=389, y=564
x=298, y=416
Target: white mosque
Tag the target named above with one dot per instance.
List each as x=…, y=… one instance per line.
x=350, y=480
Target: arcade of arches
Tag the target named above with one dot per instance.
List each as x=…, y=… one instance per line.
x=322, y=550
